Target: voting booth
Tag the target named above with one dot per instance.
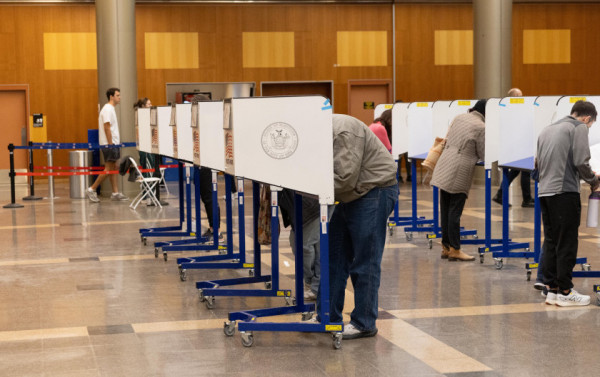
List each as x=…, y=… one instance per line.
x=183, y=133
x=400, y=132
x=282, y=141
x=379, y=109
x=143, y=130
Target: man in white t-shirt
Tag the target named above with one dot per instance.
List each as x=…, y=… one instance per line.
x=108, y=127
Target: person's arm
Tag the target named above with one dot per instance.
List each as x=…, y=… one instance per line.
x=481, y=144
x=581, y=155
x=347, y=158
x=108, y=133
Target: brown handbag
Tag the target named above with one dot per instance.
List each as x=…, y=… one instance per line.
x=434, y=153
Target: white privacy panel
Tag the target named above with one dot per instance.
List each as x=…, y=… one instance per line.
x=165, y=132
x=456, y=108
x=185, y=142
x=564, y=109
x=399, y=129
x=441, y=118
x=492, y=131
x=517, y=132
x=144, y=134
x=543, y=113
x=420, y=129
x=379, y=109
x=212, y=147
x=285, y=141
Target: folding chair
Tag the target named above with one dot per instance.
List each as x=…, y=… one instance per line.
x=163, y=182
x=147, y=185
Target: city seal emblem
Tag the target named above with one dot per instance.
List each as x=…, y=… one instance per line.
x=279, y=140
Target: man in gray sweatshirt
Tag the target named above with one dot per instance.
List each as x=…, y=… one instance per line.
x=563, y=155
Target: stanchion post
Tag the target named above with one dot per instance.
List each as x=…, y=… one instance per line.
x=11, y=174
x=50, y=178
x=31, y=183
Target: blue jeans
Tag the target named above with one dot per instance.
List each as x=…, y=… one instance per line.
x=356, y=241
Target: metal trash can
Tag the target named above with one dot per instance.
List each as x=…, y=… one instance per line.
x=80, y=183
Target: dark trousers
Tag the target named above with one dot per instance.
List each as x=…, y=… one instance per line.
x=525, y=183
x=561, y=215
x=206, y=194
x=451, y=208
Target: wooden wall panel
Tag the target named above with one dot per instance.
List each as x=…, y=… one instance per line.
x=581, y=76
x=67, y=97
x=453, y=47
x=220, y=29
x=417, y=76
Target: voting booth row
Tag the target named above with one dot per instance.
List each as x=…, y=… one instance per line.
x=283, y=142
x=512, y=126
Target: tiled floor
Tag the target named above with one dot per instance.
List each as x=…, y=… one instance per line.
x=82, y=296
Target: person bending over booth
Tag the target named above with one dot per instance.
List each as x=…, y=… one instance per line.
x=453, y=175
x=367, y=190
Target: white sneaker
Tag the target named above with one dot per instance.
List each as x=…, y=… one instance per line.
x=309, y=295
x=92, y=195
x=539, y=286
x=118, y=196
x=550, y=297
x=572, y=299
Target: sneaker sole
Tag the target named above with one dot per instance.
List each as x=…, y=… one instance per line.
x=565, y=304
x=362, y=334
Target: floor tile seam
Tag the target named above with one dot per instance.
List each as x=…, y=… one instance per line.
x=461, y=311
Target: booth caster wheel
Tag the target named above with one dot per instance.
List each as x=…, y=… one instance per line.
x=391, y=230
x=586, y=267
x=475, y=236
x=221, y=252
x=337, y=340
x=430, y=242
x=144, y=240
x=481, y=258
x=528, y=275
x=156, y=252
x=307, y=316
x=229, y=328
x=247, y=339
x=290, y=301
x=526, y=249
x=210, y=302
x=597, y=300
x=182, y=274
x=165, y=257
x=498, y=262
x=409, y=237
x=251, y=272
x=201, y=295
x=268, y=285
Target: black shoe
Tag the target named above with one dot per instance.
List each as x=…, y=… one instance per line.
x=400, y=180
x=528, y=203
x=499, y=201
x=409, y=179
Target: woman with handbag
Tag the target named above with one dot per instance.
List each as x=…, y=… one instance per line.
x=453, y=175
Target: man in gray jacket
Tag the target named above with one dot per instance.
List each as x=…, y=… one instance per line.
x=367, y=190
x=563, y=155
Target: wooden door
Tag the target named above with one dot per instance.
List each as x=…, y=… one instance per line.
x=365, y=95
x=13, y=114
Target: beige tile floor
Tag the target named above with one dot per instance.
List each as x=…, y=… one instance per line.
x=82, y=296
